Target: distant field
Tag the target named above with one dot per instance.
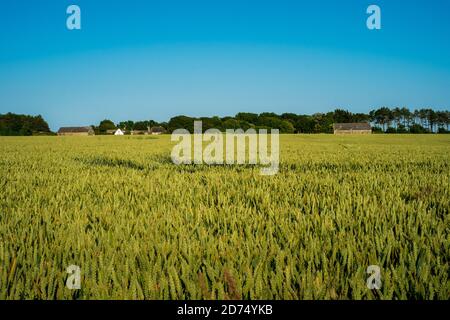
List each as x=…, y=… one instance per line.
x=142, y=228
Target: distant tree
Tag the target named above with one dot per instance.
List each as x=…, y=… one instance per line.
x=360, y=117
x=285, y=126
x=268, y=122
x=152, y=123
x=448, y=119
x=19, y=124
x=38, y=124
x=26, y=130
x=417, y=128
x=181, y=122
x=416, y=117
x=141, y=125
x=391, y=130
x=323, y=123
x=126, y=125
x=382, y=116
x=291, y=117
x=248, y=117
x=207, y=123
x=244, y=125
x=268, y=115
x=342, y=116
x=407, y=116
x=422, y=114
x=304, y=124
x=396, y=115
x=442, y=121
x=211, y=123
x=165, y=125
x=431, y=119
x=106, y=125
x=231, y=123
x=377, y=130
x=402, y=129
x=372, y=117
x=389, y=116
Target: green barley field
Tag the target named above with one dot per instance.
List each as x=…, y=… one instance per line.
x=140, y=227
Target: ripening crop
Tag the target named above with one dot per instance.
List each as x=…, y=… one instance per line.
x=140, y=227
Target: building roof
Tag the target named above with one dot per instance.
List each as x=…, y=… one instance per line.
x=352, y=126
x=74, y=129
x=157, y=129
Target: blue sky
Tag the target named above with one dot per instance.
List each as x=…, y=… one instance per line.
x=155, y=59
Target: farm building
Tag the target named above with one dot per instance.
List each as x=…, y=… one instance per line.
x=119, y=132
x=157, y=130
x=352, y=128
x=139, y=132
x=76, y=131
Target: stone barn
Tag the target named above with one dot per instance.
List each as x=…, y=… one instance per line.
x=352, y=128
x=157, y=130
x=76, y=131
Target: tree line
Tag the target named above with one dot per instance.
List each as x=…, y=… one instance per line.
x=384, y=119
x=23, y=125
x=402, y=120
x=107, y=125
x=387, y=120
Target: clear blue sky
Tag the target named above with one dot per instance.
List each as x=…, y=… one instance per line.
x=155, y=59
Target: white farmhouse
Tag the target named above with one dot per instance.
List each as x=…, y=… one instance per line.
x=119, y=132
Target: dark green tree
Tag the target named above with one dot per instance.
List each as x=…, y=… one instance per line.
x=106, y=125
x=181, y=122
x=248, y=117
